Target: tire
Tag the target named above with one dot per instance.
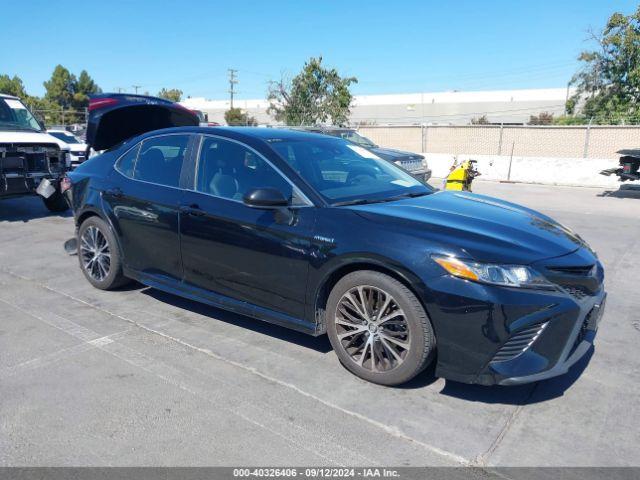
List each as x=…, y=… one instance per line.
x=407, y=324
x=102, y=272
x=56, y=203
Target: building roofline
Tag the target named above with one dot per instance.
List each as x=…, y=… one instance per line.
x=479, y=96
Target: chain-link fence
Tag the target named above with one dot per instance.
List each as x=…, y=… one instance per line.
x=583, y=141
x=63, y=117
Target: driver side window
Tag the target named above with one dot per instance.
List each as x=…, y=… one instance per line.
x=229, y=170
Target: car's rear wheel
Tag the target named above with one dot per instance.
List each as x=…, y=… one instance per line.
x=56, y=203
x=99, y=255
x=378, y=328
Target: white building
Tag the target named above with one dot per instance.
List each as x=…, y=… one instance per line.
x=457, y=107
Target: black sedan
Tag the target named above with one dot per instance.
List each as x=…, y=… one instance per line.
x=320, y=235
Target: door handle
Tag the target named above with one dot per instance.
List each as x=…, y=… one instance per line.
x=193, y=210
x=114, y=192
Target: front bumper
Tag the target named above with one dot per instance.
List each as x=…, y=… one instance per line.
x=492, y=335
x=579, y=344
x=14, y=185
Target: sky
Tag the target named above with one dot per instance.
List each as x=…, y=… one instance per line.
x=392, y=46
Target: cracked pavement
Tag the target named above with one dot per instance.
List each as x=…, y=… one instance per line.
x=139, y=377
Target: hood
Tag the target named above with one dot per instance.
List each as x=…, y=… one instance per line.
x=395, y=155
x=115, y=117
x=78, y=147
x=478, y=227
x=31, y=137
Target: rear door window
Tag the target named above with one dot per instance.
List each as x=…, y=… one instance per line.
x=160, y=160
x=127, y=162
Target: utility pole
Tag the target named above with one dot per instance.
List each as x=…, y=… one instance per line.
x=119, y=89
x=232, y=81
x=136, y=87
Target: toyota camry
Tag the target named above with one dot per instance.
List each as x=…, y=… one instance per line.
x=320, y=235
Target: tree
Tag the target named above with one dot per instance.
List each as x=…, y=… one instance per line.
x=543, y=118
x=316, y=95
x=608, y=85
x=84, y=87
x=49, y=112
x=65, y=99
x=235, y=116
x=483, y=120
x=172, y=94
x=59, y=96
x=60, y=87
x=12, y=86
x=570, y=120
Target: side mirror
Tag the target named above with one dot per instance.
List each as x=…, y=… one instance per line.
x=265, y=198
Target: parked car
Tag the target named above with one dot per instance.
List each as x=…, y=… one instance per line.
x=31, y=161
x=414, y=163
x=629, y=169
x=77, y=147
x=204, y=119
x=320, y=235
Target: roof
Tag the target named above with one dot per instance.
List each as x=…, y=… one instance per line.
x=239, y=133
x=4, y=95
x=263, y=133
x=453, y=107
x=523, y=95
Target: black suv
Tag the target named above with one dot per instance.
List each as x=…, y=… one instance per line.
x=414, y=163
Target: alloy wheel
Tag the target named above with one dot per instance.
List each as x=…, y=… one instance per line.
x=96, y=256
x=372, y=328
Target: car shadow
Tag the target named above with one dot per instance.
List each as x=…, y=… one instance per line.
x=24, y=209
x=505, y=395
x=422, y=380
x=519, y=394
x=625, y=191
x=319, y=344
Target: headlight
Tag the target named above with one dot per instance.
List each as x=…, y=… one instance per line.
x=504, y=275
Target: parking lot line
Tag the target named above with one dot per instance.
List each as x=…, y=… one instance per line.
x=176, y=378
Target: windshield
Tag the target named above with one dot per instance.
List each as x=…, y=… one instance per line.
x=65, y=137
x=358, y=139
x=15, y=116
x=344, y=173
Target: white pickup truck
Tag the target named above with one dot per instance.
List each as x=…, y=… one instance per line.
x=31, y=161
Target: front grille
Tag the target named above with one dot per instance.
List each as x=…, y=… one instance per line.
x=411, y=165
x=519, y=342
x=40, y=157
x=579, y=281
x=582, y=270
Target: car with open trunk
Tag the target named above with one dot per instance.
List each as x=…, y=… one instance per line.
x=320, y=235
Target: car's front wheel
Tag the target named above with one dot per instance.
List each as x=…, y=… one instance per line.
x=99, y=255
x=378, y=328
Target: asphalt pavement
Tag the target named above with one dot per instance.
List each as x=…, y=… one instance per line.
x=140, y=377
